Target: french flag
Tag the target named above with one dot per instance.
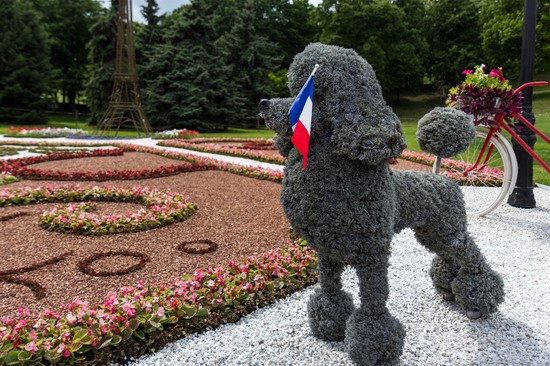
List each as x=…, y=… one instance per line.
x=300, y=117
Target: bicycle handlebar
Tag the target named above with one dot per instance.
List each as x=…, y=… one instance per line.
x=532, y=83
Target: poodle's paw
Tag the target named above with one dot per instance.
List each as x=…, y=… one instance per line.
x=374, y=340
x=478, y=292
x=328, y=313
x=443, y=272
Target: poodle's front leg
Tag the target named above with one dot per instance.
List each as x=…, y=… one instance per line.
x=329, y=307
x=373, y=335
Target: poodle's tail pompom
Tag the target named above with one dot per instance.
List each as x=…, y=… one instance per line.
x=445, y=132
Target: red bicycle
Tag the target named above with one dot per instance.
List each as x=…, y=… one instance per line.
x=490, y=163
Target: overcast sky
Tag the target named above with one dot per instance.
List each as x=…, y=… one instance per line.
x=169, y=5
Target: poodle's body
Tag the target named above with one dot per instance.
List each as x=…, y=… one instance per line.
x=348, y=204
x=354, y=211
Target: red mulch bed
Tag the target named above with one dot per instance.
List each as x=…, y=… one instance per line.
x=241, y=215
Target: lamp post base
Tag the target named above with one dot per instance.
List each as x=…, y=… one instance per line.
x=522, y=197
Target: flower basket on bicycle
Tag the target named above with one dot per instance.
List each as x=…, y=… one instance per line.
x=486, y=97
x=489, y=163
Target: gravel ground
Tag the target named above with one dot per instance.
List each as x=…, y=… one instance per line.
x=516, y=243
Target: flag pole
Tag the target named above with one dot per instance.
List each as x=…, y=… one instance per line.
x=315, y=69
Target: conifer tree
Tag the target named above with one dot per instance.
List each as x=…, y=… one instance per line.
x=24, y=64
x=102, y=54
x=188, y=84
x=250, y=56
x=147, y=37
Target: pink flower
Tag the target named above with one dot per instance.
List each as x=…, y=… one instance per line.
x=31, y=347
x=71, y=318
x=466, y=72
x=129, y=309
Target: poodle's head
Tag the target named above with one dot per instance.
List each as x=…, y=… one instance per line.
x=342, y=73
x=349, y=111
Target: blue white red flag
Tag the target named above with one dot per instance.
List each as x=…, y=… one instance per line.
x=300, y=117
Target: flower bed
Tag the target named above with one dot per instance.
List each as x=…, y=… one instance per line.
x=43, y=132
x=54, y=144
x=137, y=320
x=98, y=137
x=176, y=134
x=162, y=208
x=7, y=151
x=453, y=170
x=206, y=163
x=245, y=148
x=134, y=321
x=18, y=168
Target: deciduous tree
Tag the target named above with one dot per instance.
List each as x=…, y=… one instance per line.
x=68, y=24
x=25, y=69
x=453, y=30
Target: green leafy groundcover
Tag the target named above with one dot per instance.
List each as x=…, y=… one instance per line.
x=141, y=319
x=161, y=208
x=7, y=179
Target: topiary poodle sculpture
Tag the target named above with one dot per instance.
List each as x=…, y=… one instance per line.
x=348, y=204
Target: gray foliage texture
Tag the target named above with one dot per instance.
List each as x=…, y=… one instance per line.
x=348, y=204
x=445, y=132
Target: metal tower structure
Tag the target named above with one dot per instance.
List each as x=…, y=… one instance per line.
x=125, y=102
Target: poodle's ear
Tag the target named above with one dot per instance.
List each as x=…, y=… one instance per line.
x=370, y=139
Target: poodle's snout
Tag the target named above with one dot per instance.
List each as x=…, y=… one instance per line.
x=264, y=104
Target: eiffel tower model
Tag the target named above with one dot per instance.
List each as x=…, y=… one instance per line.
x=125, y=102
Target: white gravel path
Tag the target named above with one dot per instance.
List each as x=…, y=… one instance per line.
x=515, y=242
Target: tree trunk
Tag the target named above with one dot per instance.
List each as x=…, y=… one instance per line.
x=398, y=95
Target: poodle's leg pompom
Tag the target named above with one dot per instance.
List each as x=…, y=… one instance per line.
x=373, y=335
x=329, y=307
x=443, y=272
x=478, y=290
x=374, y=340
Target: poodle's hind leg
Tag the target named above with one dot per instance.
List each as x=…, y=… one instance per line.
x=444, y=268
x=461, y=272
x=329, y=307
x=373, y=335
x=443, y=272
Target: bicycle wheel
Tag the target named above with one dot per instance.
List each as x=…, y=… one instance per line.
x=487, y=185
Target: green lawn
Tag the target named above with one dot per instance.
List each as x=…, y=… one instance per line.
x=410, y=110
